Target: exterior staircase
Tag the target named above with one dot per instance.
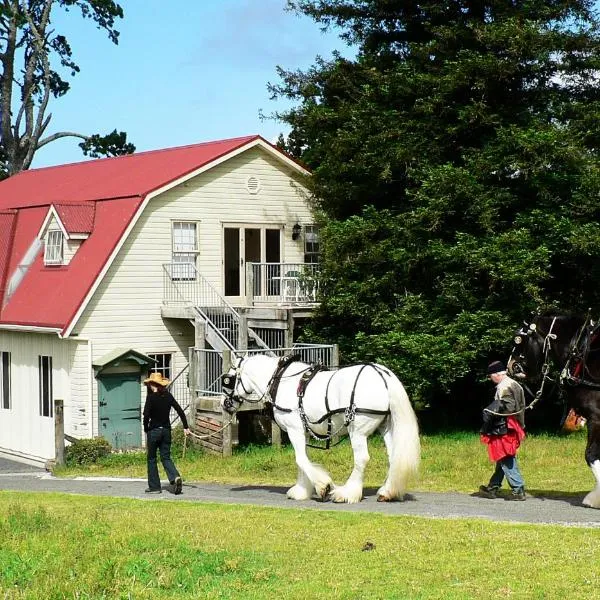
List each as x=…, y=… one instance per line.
x=221, y=319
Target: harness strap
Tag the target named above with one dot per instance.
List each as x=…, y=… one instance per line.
x=282, y=365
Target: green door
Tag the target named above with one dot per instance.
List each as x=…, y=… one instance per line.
x=119, y=410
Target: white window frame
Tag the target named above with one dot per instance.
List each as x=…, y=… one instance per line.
x=45, y=386
x=311, y=240
x=5, y=396
x=184, y=250
x=164, y=363
x=54, y=251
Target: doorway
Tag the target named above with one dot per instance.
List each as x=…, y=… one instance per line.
x=244, y=244
x=119, y=410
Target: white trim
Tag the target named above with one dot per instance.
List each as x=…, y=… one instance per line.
x=30, y=328
x=257, y=142
x=52, y=213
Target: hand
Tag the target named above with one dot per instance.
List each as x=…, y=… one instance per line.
x=186, y=432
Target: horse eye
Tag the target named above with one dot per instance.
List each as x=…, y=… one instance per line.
x=518, y=339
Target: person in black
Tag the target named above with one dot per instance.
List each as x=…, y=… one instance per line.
x=157, y=427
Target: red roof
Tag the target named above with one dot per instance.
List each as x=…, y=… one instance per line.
x=119, y=177
x=99, y=197
x=77, y=218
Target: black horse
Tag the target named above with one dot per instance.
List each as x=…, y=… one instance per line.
x=572, y=343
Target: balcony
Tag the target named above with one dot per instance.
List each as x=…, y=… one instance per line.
x=282, y=284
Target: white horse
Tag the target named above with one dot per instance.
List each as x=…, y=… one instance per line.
x=359, y=399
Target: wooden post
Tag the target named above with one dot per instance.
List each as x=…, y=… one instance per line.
x=227, y=438
x=242, y=343
x=289, y=331
x=335, y=356
x=200, y=357
x=249, y=284
x=59, y=432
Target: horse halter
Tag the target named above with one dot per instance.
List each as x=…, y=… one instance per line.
x=229, y=383
x=515, y=366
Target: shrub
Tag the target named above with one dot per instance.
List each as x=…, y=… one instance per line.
x=87, y=451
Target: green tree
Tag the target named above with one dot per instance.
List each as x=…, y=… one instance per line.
x=30, y=50
x=456, y=176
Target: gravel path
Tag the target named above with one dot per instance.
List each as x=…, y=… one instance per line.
x=538, y=509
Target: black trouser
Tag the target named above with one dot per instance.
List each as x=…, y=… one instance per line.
x=159, y=439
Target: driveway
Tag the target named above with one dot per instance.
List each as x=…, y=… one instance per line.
x=566, y=510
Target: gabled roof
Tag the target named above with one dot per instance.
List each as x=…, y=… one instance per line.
x=102, y=198
x=77, y=218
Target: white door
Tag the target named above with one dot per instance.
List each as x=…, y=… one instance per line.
x=244, y=244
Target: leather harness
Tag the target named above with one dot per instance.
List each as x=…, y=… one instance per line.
x=350, y=411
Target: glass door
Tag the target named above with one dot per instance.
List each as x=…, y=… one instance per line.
x=249, y=244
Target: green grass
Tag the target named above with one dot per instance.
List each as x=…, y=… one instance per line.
x=453, y=462
x=57, y=546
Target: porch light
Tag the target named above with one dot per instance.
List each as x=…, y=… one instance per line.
x=296, y=229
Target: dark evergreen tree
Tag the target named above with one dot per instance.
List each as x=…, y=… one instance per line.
x=456, y=176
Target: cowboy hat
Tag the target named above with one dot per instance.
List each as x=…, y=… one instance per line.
x=157, y=379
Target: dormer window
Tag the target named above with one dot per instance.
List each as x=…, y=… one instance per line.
x=54, y=251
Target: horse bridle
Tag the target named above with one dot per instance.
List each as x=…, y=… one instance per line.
x=515, y=368
x=229, y=382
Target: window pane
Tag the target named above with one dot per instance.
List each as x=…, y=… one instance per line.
x=54, y=248
x=45, y=368
x=162, y=365
x=184, y=237
x=5, y=380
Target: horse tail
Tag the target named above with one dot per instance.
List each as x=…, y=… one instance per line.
x=405, y=451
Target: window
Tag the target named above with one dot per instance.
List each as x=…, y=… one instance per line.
x=5, y=380
x=185, y=249
x=311, y=244
x=162, y=365
x=53, y=254
x=45, y=368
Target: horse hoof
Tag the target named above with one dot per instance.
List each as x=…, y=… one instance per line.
x=325, y=493
x=383, y=498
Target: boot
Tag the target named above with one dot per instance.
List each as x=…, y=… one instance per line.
x=486, y=491
x=518, y=494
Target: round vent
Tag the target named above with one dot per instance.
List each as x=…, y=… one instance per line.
x=253, y=184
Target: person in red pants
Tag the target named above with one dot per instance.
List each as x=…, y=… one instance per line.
x=502, y=431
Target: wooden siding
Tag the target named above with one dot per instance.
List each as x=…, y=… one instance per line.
x=125, y=310
x=23, y=432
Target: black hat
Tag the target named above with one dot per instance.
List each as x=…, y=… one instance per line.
x=495, y=367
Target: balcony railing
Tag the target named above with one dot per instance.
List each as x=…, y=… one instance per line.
x=282, y=283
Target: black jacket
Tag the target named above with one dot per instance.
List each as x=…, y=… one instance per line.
x=157, y=409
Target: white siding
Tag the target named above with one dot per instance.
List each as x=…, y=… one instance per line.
x=23, y=432
x=125, y=310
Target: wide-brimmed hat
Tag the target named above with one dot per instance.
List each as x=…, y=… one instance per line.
x=495, y=367
x=157, y=379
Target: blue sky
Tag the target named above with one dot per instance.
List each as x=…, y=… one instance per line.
x=184, y=71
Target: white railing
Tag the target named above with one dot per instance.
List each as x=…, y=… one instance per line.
x=282, y=283
x=190, y=288
x=206, y=366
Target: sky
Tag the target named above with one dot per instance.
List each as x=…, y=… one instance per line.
x=184, y=72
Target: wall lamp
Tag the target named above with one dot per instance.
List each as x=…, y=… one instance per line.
x=296, y=229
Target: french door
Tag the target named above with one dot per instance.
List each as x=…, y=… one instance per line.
x=244, y=244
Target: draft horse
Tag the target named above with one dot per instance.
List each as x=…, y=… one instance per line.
x=572, y=343
x=310, y=401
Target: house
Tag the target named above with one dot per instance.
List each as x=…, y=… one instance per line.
x=111, y=268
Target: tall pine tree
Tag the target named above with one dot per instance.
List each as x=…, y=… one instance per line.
x=456, y=173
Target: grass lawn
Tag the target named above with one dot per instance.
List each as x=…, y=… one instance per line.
x=58, y=546
x=76, y=547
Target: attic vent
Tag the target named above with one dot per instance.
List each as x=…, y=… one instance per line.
x=253, y=185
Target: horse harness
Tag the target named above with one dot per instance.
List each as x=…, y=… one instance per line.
x=349, y=412
x=586, y=341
